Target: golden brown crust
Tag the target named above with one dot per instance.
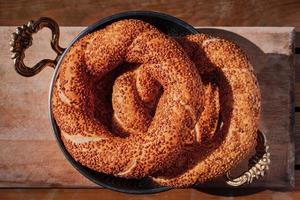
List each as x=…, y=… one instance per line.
x=239, y=111
x=129, y=102
x=223, y=84
x=94, y=56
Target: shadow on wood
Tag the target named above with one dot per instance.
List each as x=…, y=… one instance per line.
x=276, y=82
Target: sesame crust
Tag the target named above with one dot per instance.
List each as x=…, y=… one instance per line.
x=226, y=131
x=75, y=105
x=239, y=113
x=132, y=102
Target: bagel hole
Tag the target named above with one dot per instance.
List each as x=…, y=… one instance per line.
x=103, y=89
x=153, y=105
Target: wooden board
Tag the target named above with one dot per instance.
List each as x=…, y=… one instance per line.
x=29, y=155
x=200, y=12
x=178, y=194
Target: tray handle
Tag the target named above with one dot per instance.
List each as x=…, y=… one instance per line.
x=22, y=40
x=258, y=164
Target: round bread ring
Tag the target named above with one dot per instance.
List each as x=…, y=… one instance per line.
x=240, y=108
x=186, y=172
x=135, y=105
x=131, y=116
x=133, y=109
x=131, y=113
x=90, y=59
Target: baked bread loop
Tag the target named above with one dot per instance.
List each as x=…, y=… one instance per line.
x=130, y=114
x=88, y=62
x=239, y=113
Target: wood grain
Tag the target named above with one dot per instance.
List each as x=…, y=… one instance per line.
x=190, y=194
x=27, y=143
x=198, y=13
x=297, y=71
x=25, y=131
x=297, y=136
x=75, y=13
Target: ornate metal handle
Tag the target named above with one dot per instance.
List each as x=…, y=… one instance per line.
x=22, y=40
x=258, y=164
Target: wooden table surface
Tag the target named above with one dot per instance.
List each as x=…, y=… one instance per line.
x=199, y=13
